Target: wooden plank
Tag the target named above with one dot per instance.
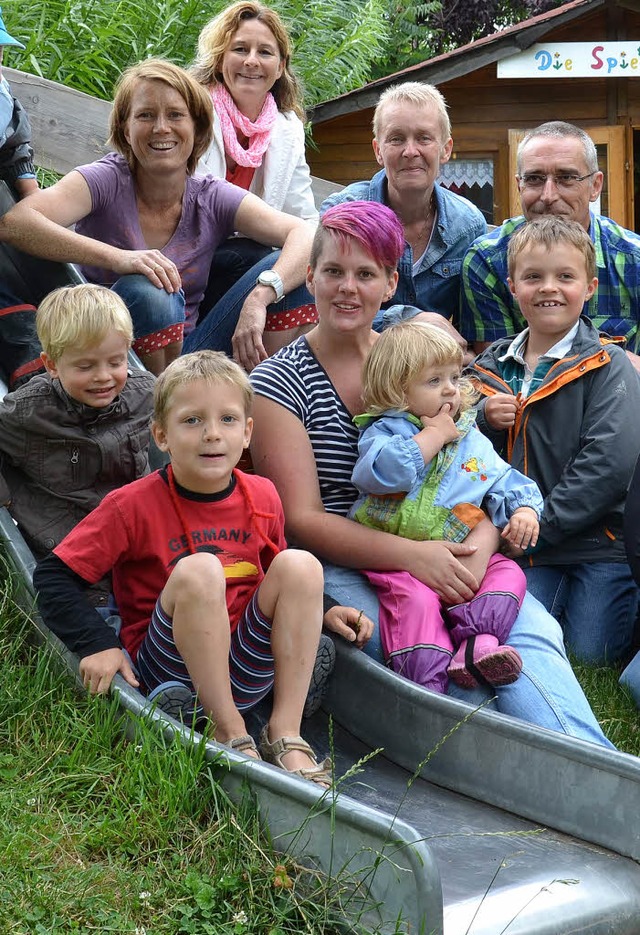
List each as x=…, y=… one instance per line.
x=69, y=128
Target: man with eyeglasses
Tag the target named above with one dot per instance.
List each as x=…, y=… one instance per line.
x=557, y=174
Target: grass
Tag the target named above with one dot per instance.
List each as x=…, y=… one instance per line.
x=612, y=705
x=101, y=835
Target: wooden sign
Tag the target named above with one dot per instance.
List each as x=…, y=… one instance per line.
x=574, y=60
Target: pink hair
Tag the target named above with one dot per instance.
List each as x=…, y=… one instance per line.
x=374, y=226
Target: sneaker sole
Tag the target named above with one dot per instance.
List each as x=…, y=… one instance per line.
x=174, y=699
x=500, y=668
x=322, y=669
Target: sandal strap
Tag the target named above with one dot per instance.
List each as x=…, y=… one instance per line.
x=241, y=744
x=320, y=773
x=273, y=752
x=283, y=745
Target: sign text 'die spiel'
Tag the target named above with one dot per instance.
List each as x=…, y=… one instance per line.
x=574, y=60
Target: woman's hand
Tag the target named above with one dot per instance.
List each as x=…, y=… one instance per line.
x=248, y=349
x=436, y=565
x=350, y=623
x=159, y=269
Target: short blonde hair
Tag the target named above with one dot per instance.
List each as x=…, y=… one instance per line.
x=413, y=92
x=193, y=94
x=217, y=35
x=548, y=232
x=80, y=316
x=399, y=356
x=211, y=366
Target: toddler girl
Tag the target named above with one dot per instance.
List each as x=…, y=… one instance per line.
x=425, y=472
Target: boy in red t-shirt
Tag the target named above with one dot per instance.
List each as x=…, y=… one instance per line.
x=206, y=588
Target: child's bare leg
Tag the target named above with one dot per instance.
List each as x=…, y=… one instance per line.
x=194, y=597
x=291, y=596
x=158, y=360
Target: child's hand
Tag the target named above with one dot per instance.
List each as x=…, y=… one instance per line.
x=500, y=411
x=349, y=623
x=97, y=671
x=522, y=529
x=443, y=423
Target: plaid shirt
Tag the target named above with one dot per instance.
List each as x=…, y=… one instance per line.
x=489, y=311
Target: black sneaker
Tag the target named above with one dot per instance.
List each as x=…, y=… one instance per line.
x=322, y=669
x=174, y=698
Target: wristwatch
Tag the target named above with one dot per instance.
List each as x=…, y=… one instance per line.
x=269, y=277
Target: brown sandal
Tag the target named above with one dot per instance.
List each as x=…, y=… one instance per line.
x=242, y=745
x=320, y=773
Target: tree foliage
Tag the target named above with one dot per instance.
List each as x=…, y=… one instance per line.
x=420, y=31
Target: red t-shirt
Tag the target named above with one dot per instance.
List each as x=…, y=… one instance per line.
x=137, y=533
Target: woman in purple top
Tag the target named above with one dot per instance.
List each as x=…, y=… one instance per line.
x=145, y=225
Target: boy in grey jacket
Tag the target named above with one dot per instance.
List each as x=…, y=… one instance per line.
x=71, y=435
x=562, y=406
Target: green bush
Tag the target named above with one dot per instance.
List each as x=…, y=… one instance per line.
x=85, y=44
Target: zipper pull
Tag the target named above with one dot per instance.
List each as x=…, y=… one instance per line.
x=75, y=456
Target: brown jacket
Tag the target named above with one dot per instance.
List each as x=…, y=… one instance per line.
x=59, y=457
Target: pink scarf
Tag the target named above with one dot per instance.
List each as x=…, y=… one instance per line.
x=232, y=120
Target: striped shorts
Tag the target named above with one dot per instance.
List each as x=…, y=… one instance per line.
x=250, y=657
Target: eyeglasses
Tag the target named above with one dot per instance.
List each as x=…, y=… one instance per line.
x=564, y=182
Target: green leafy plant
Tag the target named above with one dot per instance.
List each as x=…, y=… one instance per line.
x=85, y=44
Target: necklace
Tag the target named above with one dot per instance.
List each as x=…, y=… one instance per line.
x=424, y=231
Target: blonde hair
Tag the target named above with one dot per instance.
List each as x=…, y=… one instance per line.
x=399, y=356
x=548, y=232
x=211, y=366
x=80, y=316
x=193, y=94
x=413, y=92
x=217, y=35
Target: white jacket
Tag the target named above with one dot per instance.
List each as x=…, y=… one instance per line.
x=283, y=180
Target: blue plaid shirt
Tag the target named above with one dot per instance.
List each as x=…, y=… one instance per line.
x=489, y=311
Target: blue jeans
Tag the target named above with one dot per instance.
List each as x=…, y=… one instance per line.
x=230, y=262
x=152, y=309
x=546, y=693
x=631, y=678
x=216, y=330
x=595, y=604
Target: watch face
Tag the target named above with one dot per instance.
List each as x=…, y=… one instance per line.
x=271, y=278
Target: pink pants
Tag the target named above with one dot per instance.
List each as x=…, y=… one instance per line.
x=416, y=640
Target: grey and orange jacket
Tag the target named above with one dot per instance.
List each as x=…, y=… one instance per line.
x=578, y=436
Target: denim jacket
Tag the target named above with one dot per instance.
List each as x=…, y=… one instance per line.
x=436, y=288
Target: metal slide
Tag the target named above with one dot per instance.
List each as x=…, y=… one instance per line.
x=507, y=828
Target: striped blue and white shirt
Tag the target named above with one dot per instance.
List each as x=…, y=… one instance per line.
x=294, y=379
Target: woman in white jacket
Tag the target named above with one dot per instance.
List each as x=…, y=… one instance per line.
x=243, y=59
